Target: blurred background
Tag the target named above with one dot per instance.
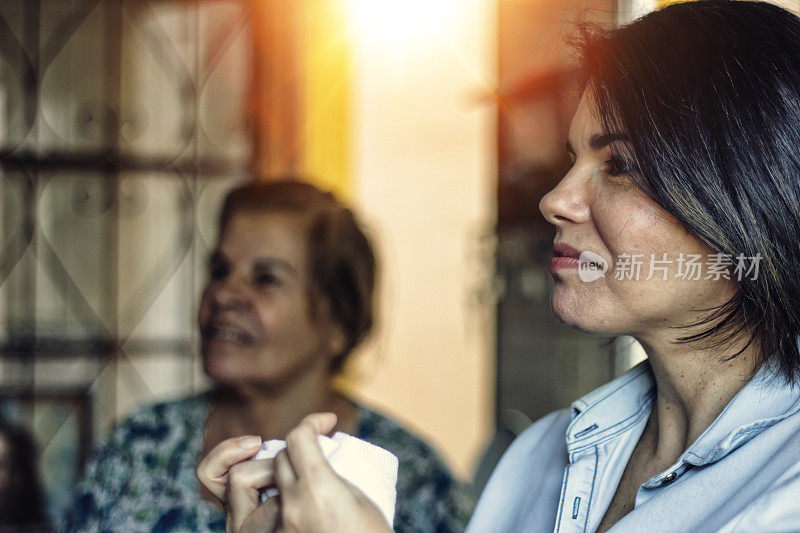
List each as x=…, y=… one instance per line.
x=124, y=122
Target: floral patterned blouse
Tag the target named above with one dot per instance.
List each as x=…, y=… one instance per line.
x=143, y=478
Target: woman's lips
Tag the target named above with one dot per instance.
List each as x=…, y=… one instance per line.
x=565, y=256
x=562, y=262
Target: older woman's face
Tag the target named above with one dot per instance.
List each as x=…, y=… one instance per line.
x=597, y=209
x=256, y=320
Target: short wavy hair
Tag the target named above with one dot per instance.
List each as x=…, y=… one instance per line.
x=341, y=262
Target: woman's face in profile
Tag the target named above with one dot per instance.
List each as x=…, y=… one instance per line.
x=256, y=321
x=596, y=208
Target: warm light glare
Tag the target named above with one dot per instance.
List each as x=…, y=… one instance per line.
x=397, y=22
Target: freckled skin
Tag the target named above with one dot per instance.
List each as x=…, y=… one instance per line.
x=608, y=215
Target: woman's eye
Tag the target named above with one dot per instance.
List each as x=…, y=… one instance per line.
x=265, y=279
x=616, y=166
x=219, y=271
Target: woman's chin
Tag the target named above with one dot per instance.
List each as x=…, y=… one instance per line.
x=575, y=315
x=222, y=370
x=565, y=305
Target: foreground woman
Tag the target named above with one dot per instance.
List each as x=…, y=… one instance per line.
x=686, y=152
x=290, y=296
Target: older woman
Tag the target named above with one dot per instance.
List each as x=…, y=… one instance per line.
x=686, y=152
x=289, y=297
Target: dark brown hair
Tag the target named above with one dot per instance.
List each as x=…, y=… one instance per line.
x=708, y=95
x=341, y=263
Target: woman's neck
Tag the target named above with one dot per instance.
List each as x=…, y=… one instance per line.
x=693, y=387
x=272, y=414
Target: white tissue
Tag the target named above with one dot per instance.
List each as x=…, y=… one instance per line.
x=370, y=468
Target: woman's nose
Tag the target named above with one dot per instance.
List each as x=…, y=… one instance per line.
x=567, y=202
x=228, y=293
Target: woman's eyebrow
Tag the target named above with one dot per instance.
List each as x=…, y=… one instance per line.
x=217, y=257
x=601, y=140
x=269, y=263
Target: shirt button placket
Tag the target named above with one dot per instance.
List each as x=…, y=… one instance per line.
x=577, y=492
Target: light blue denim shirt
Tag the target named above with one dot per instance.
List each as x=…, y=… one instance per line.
x=741, y=474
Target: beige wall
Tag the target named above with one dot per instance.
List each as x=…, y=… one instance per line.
x=791, y=5
x=423, y=156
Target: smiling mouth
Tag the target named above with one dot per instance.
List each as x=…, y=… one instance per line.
x=226, y=334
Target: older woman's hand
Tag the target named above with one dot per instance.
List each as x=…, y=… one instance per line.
x=313, y=498
x=235, y=481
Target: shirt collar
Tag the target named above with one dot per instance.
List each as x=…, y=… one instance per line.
x=608, y=411
x=764, y=400
x=615, y=407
